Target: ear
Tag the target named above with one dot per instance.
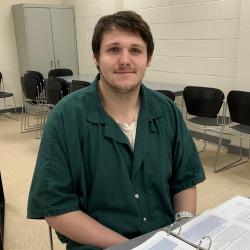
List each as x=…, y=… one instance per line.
x=149, y=62
x=95, y=60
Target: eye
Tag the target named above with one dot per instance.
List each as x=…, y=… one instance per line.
x=113, y=50
x=135, y=51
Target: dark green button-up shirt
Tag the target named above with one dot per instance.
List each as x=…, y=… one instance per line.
x=85, y=163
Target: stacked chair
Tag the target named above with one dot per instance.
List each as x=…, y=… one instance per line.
x=55, y=90
x=34, y=104
x=39, y=97
x=60, y=72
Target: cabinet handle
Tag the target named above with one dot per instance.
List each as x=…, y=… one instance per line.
x=58, y=63
x=51, y=64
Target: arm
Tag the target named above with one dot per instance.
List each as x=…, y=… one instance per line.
x=83, y=229
x=185, y=201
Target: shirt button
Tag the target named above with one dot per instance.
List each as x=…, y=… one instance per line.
x=137, y=196
x=144, y=219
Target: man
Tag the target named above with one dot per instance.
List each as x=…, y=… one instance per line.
x=116, y=160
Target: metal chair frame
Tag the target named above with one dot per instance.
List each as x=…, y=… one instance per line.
x=241, y=130
x=51, y=238
x=34, y=101
x=203, y=119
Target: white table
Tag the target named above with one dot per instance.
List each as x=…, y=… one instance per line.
x=176, y=88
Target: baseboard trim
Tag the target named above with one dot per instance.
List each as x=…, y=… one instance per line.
x=234, y=149
x=11, y=110
x=210, y=138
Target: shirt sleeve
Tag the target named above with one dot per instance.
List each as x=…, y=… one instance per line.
x=53, y=189
x=187, y=167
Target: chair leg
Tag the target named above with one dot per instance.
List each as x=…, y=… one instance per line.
x=204, y=141
x=50, y=238
x=26, y=125
x=237, y=162
x=14, y=101
x=14, y=105
x=218, y=149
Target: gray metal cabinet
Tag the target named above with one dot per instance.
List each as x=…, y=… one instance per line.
x=45, y=37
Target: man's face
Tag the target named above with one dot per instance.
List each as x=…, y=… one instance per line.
x=122, y=61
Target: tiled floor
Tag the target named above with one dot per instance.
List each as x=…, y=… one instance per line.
x=17, y=159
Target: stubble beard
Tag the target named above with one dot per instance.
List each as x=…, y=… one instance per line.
x=119, y=91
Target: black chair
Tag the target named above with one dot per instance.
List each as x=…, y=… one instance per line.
x=33, y=104
x=203, y=105
x=239, y=106
x=39, y=77
x=167, y=93
x=76, y=85
x=60, y=72
x=55, y=90
x=37, y=74
x=4, y=95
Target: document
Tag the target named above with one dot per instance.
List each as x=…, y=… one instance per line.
x=225, y=227
x=162, y=241
x=228, y=226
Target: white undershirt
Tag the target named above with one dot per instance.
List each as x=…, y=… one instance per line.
x=130, y=131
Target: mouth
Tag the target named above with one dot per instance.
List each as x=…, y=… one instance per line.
x=124, y=72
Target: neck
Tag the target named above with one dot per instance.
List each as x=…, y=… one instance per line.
x=122, y=107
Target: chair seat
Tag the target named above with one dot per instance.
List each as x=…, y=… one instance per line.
x=207, y=121
x=242, y=128
x=5, y=94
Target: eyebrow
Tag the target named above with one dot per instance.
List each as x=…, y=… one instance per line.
x=132, y=45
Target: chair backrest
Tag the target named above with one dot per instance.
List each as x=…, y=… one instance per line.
x=239, y=106
x=167, y=93
x=60, y=72
x=203, y=101
x=30, y=87
x=75, y=85
x=55, y=89
x=37, y=74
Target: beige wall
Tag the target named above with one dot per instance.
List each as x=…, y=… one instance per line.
x=8, y=51
x=87, y=13
x=196, y=40
x=243, y=72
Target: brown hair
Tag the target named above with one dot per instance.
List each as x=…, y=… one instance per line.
x=124, y=20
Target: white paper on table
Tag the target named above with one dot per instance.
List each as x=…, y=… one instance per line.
x=228, y=226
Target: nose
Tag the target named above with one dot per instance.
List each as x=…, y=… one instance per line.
x=124, y=57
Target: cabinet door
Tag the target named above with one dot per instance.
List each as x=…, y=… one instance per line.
x=64, y=39
x=40, y=44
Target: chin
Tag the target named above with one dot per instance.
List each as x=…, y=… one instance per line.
x=126, y=87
